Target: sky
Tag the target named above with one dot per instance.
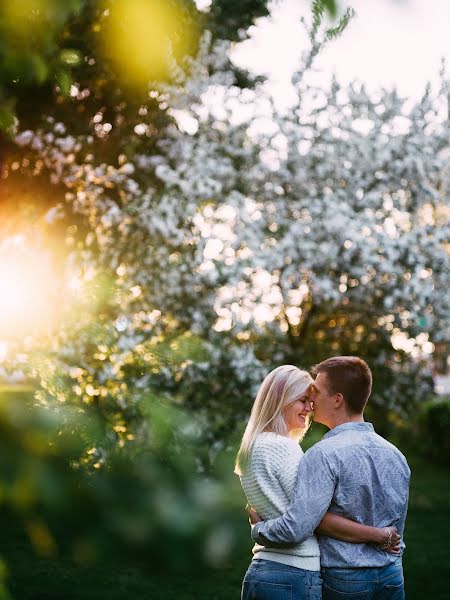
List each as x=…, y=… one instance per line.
x=389, y=42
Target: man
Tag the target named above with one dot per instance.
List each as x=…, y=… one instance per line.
x=352, y=472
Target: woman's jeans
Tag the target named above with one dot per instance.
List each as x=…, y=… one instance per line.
x=269, y=580
x=383, y=583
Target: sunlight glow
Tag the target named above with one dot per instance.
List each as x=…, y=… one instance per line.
x=27, y=290
x=203, y=4
x=418, y=346
x=259, y=301
x=3, y=351
x=213, y=249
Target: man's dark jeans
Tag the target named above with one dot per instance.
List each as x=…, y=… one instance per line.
x=384, y=583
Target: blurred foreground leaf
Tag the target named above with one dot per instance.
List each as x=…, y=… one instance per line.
x=148, y=499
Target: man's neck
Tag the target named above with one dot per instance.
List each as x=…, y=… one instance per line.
x=341, y=419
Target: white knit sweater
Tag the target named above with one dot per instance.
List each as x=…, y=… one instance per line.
x=268, y=483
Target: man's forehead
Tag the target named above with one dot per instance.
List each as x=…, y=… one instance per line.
x=320, y=380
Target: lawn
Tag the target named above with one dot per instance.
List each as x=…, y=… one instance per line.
x=39, y=578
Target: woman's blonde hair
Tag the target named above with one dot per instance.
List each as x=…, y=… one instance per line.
x=281, y=387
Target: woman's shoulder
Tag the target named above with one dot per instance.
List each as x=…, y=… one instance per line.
x=271, y=441
x=272, y=452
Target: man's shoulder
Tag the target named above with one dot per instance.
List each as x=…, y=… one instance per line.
x=328, y=445
x=339, y=446
x=389, y=447
x=321, y=450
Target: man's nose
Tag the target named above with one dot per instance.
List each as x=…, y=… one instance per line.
x=308, y=405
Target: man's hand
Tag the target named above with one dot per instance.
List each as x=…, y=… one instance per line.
x=253, y=516
x=392, y=540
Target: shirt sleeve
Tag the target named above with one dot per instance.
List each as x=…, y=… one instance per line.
x=313, y=492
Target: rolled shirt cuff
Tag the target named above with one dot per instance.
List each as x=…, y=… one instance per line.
x=255, y=532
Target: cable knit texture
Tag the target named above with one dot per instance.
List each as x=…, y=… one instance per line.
x=268, y=483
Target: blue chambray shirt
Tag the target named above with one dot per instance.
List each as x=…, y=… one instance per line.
x=352, y=472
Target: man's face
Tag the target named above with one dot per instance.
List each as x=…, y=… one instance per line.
x=322, y=399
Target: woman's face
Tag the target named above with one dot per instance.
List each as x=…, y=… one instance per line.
x=295, y=414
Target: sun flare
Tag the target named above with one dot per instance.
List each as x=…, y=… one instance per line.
x=28, y=290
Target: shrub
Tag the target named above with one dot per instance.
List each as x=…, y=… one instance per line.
x=434, y=427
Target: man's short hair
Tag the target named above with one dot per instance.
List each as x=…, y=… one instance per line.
x=350, y=376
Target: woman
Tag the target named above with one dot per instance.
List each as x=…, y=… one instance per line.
x=267, y=464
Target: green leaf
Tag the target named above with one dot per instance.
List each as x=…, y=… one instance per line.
x=422, y=322
x=8, y=120
x=39, y=69
x=63, y=81
x=335, y=32
x=70, y=57
x=331, y=6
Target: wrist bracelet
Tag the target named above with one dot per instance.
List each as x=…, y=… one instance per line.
x=387, y=543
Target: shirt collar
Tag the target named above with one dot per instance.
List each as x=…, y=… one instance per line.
x=362, y=427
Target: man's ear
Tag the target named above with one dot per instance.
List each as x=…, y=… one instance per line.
x=338, y=400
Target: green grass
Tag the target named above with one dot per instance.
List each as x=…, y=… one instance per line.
x=428, y=531
x=427, y=557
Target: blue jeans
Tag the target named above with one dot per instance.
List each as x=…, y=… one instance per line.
x=269, y=580
x=383, y=583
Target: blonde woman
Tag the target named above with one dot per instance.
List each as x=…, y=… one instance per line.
x=267, y=464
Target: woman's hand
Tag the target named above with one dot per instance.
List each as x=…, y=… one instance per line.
x=253, y=516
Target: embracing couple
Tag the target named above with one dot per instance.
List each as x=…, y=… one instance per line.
x=327, y=523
